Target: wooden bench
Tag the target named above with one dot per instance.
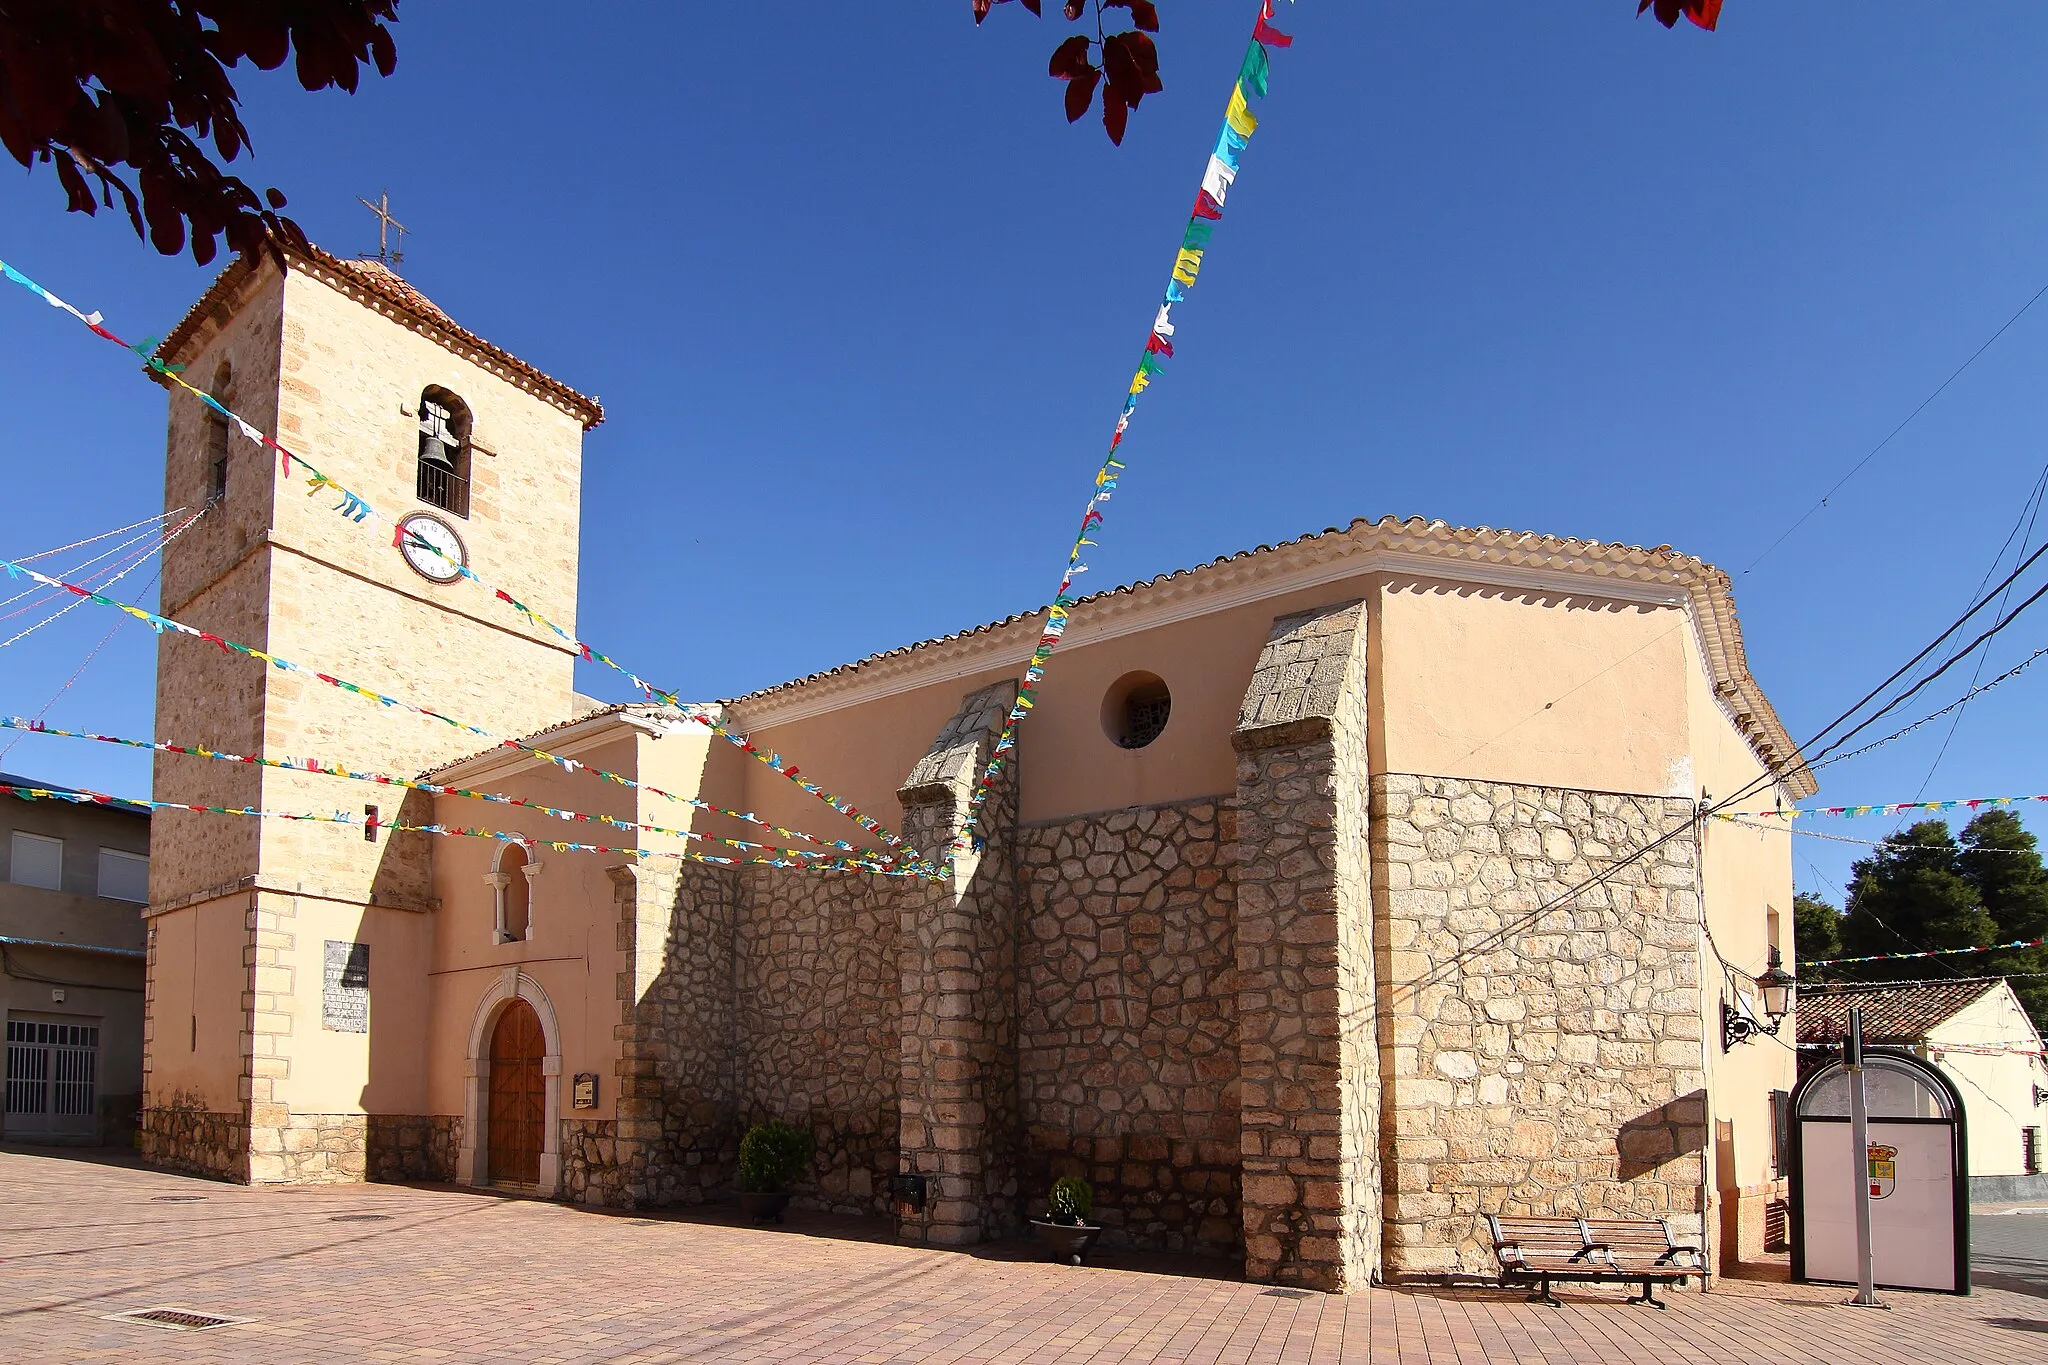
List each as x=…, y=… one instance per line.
x=1540, y=1250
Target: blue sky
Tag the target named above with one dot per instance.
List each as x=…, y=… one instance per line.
x=862, y=306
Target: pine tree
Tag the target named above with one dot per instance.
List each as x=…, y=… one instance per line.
x=1816, y=934
x=1910, y=895
x=2001, y=862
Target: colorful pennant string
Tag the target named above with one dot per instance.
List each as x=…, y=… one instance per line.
x=1893, y=808
x=1931, y=952
x=87, y=797
x=1874, y=843
x=313, y=765
x=354, y=508
x=1239, y=122
x=162, y=623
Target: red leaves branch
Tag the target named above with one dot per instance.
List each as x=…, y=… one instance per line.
x=1704, y=13
x=139, y=84
x=1130, y=62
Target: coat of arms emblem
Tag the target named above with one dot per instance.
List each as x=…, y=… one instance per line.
x=1884, y=1169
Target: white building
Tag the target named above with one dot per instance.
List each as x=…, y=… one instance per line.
x=1977, y=1033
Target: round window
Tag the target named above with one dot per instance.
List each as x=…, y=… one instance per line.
x=1134, y=712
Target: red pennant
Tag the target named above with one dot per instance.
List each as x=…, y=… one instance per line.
x=1264, y=32
x=1206, y=205
x=1158, y=343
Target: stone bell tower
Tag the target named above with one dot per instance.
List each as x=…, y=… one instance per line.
x=287, y=961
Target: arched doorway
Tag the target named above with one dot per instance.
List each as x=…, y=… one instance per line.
x=517, y=1103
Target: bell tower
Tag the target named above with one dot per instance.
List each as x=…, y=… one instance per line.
x=287, y=961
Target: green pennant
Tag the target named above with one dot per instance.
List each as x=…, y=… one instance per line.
x=1199, y=232
x=1257, y=67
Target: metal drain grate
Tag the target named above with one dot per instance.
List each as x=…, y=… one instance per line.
x=176, y=1319
x=360, y=1218
x=177, y=1199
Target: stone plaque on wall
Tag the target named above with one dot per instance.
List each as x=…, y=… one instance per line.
x=345, y=988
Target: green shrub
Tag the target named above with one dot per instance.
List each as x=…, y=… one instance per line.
x=1072, y=1200
x=773, y=1154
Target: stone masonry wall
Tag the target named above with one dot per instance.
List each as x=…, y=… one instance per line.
x=1544, y=1063
x=817, y=980
x=177, y=1135
x=1127, y=1033
x=414, y=1147
x=675, y=1140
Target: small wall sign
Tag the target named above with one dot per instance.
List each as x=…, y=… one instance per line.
x=585, y=1090
x=345, y=987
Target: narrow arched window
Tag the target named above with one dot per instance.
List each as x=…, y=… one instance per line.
x=222, y=392
x=511, y=879
x=444, y=451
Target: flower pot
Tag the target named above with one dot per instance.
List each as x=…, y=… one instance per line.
x=764, y=1206
x=1068, y=1242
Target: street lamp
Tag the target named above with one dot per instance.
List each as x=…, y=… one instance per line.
x=1776, y=987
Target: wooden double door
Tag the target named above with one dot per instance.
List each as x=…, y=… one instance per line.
x=518, y=1097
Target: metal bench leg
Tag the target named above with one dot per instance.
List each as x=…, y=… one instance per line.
x=1543, y=1294
x=1649, y=1296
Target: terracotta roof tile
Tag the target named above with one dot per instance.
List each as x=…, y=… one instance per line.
x=1893, y=1012
x=384, y=290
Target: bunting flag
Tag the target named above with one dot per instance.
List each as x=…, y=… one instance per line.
x=1931, y=952
x=316, y=766
x=160, y=624
x=87, y=797
x=1239, y=123
x=354, y=508
x=1893, y=808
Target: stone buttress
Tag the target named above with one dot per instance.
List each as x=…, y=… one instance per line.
x=957, y=951
x=1307, y=1051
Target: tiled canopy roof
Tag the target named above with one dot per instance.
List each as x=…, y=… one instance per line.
x=376, y=286
x=1893, y=1012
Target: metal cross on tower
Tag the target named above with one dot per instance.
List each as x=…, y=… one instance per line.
x=388, y=253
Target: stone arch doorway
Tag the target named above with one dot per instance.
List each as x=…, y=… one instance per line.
x=516, y=1100
x=524, y=1088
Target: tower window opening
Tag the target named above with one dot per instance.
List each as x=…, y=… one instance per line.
x=444, y=451
x=217, y=436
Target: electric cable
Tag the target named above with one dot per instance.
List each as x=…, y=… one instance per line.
x=1924, y=404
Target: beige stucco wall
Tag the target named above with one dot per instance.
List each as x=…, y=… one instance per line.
x=1997, y=1089
x=1490, y=683
x=574, y=950
x=195, y=1057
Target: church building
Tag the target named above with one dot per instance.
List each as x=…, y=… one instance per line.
x=1338, y=892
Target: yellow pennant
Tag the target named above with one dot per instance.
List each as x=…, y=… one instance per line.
x=1187, y=265
x=1239, y=115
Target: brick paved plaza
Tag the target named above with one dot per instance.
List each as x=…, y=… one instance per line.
x=393, y=1273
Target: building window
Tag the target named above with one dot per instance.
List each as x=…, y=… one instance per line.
x=511, y=880
x=2030, y=1150
x=36, y=860
x=1135, y=710
x=1781, y=1131
x=124, y=876
x=217, y=436
x=444, y=452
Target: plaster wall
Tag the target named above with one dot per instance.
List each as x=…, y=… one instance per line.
x=1746, y=877
x=1998, y=1090
x=194, y=1056
x=1504, y=684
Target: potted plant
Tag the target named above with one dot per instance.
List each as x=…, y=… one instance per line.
x=1065, y=1227
x=772, y=1155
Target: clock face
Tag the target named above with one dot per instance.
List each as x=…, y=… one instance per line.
x=431, y=546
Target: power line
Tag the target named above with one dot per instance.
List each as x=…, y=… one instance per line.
x=2029, y=511
x=1924, y=404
